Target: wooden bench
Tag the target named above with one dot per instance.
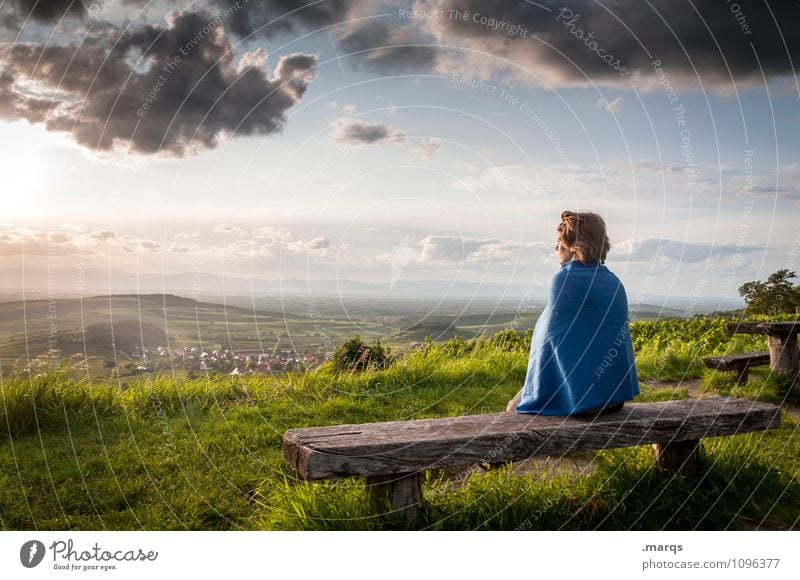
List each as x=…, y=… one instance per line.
x=738, y=363
x=392, y=455
x=781, y=340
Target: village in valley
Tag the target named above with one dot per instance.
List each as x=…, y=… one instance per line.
x=223, y=361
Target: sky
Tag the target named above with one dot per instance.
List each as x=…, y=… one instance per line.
x=386, y=141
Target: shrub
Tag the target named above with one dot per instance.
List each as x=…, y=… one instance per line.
x=354, y=356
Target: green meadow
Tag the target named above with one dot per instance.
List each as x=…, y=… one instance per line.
x=166, y=453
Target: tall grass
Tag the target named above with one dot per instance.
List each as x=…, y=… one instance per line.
x=205, y=453
x=738, y=488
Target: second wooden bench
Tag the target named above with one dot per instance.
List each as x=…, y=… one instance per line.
x=738, y=363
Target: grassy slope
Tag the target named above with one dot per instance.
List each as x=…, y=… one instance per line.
x=205, y=454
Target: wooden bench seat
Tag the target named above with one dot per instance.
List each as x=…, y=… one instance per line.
x=738, y=363
x=392, y=455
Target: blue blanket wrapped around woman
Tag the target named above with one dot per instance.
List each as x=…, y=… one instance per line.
x=581, y=352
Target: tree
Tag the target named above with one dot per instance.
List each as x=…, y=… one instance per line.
x=775, y=296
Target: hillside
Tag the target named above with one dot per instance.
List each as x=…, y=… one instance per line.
x=205, y=454
x=266, y=324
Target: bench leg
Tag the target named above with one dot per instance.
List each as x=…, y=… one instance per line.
x=741, y=377
x=398, y=493
x=783, y=354
x=678, y=456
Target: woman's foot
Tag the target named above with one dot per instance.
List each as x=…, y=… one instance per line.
x=512, y=404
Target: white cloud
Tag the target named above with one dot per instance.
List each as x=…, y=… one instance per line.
x=178, y=248
x=241, y=250
x=318, y=246
x=651, y=249
x=272, y=233
x=227, y=229
x=453, y=249
x=621, y=181
x=69, y=241
x=427, y=148
x=133, y=245
x=31, y=242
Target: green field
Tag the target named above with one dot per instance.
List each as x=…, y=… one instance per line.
x=205, y=453
x=292, y=323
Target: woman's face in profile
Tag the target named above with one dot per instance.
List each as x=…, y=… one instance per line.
x=564, y=253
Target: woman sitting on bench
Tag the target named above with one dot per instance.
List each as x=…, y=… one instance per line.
x=581, y=360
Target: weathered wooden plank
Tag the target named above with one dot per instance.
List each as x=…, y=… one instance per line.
x=735, y=362
x=786, y=328
x=678, y=456
x=397, y=493
x=413, y=446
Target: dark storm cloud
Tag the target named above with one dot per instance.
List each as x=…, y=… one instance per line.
x=565, y=42
x=157, y=89
x=275, y=17
x=367, y=29
x=46, y=10
x=586, y=37
x=358, y=132
x=387, y=48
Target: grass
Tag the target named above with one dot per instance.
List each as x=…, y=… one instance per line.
x=735, y=490
x=675, y=363
x=205, y=454
x=762, y=385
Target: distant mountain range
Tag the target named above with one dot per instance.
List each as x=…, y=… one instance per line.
x=67, y=282
x=96, y=281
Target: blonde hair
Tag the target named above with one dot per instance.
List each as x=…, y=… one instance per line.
x=584, y=233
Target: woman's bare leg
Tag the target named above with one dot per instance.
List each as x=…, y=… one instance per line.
x=512, y=404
